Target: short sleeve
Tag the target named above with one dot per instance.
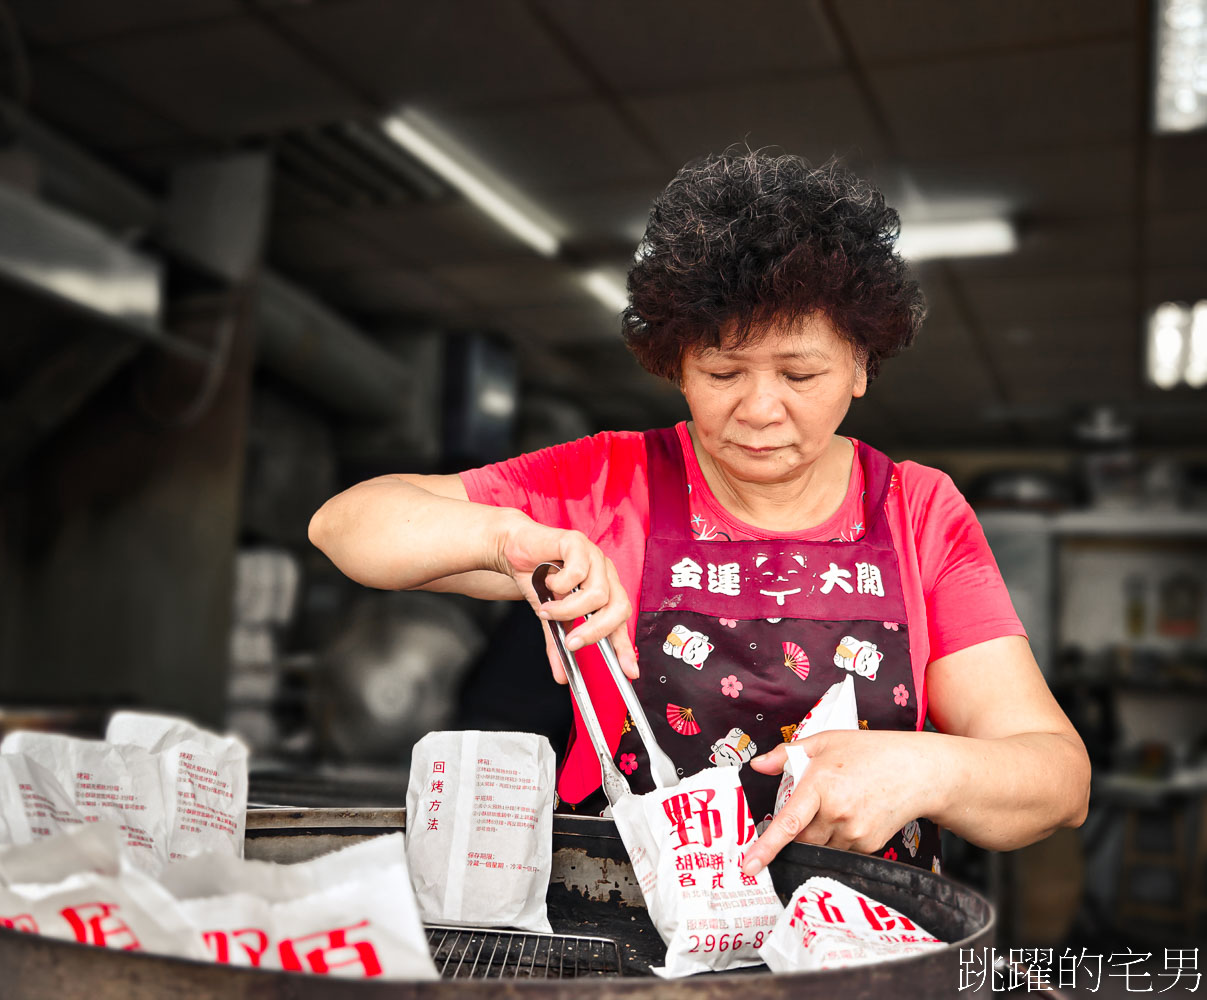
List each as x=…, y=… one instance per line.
x=966, y=599
x=566, y=486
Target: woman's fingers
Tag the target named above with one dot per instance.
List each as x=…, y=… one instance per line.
x=625, y=652
x=554, y=658
x=788, y=825
x=617, y=609
x=585, y=585
x=772, y=762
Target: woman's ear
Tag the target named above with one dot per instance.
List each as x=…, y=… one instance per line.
x=860, y=385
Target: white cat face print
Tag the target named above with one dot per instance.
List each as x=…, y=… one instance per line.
x=687, y=645
x=734, y=749
x=859, y=656
x=781, y=575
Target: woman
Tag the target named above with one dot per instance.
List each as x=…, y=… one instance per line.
x=751, y=557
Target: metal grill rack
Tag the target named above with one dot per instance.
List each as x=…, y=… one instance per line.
x=467, y=953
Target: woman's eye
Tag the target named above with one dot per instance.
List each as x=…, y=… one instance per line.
x=800, y=378
x=722, y=376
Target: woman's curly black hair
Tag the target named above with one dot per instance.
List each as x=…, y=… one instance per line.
x=743, y=238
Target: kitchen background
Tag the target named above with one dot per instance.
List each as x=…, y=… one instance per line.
x=252, y=251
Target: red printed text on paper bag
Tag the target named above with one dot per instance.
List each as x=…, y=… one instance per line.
x=21, y=922
x=880, y=918
x=100, y=924
x=691, y=819
x=800, y=923
x=326, y=950
x=252, y=940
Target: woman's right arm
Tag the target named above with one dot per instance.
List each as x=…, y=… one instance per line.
x=405, y=532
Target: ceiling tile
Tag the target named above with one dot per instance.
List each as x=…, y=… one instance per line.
x=613, y=214
x=1178, y=239
x=221, y=79
x=1064, y=344
x=392, y=294
x=890, y=32
x=1006, y=302
x=313, y=244
x=1065, y=246
x=1174, y=284
x=533, y=282
x=1070, y=382
x=643, y=47
x=1006, y=103
x=1076, y=181
x=94, y=112
x=455, y=53
x=563, y=323
x=1176, y=168
x=56, y=22
x=815, y=118
x=442, y=233
x=937, y=378
x=575, y=145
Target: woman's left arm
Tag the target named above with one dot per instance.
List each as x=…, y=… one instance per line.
x=1016, y=769
x=1006, y=768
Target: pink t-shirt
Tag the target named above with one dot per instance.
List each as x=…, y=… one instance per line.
x=954, y=594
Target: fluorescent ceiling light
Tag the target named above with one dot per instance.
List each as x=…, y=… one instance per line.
x=1168, y=335
x=424, y=140
x=958, y=238
x=1180, y=88
x=1196, y=349
x=605, y=287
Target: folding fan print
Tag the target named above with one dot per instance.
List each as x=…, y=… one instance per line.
x=682, y=721
x=796, y=660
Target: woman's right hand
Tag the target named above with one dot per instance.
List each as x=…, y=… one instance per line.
x=586, y=584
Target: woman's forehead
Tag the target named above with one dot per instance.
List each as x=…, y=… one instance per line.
x=810, y=339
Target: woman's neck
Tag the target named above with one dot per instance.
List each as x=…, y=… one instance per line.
x=806, y=500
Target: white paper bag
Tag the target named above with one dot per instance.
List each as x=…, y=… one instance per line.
x=93, y=847
x=479, y=836
x=686, y=846
x=69, y=781
x=351, y=913
x=129, y=912
x=827, y=925
x=836, y=709
x=14, y=820
x=204, y=779
x=173, y=789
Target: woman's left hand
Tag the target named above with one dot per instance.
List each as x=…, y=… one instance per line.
x=853, y=795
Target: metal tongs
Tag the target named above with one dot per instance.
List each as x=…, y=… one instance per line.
x=615, y=786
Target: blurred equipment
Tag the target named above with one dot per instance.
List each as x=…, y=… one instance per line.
x=1022, y=488
x=385, y=399
x=291, y=467
x=481, y=389
x=393, y=673
x=266, y=596
x=1179, y=90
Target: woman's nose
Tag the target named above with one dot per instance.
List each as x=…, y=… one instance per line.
x=760, y=405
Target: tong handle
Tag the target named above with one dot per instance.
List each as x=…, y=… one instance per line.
x=614, y=784
x=662, y=768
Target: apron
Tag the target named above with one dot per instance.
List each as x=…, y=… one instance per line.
x=738, y=640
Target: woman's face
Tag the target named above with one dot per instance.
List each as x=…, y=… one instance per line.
x=767, y=411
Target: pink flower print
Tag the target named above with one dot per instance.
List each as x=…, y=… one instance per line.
x=901, y=695
x=731, y=686
x=891, y=854
x=895, y=626
x=728, y=622
x=628, y=762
